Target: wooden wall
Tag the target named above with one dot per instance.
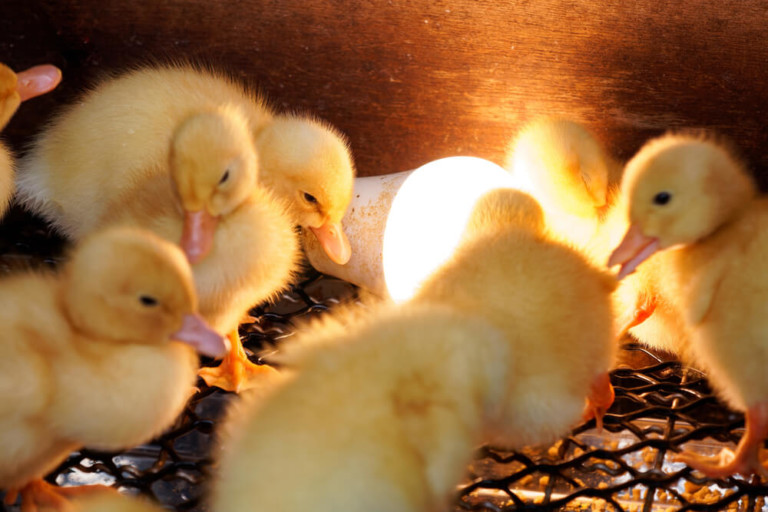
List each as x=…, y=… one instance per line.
x=413, y=80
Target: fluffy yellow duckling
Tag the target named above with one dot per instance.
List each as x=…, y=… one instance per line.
x=100, y=355
x=553, y=306
x=691, y=198
x=172, y=150
x=386, y=407
x=13, y=90
x=386, y=416
x=308, y=164
x=566, y=169
x=121, y=131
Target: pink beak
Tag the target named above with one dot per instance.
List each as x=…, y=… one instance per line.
x=335, y=243
x=633, y=250
x=197, y=234
x=196, y=333
x=37, y=80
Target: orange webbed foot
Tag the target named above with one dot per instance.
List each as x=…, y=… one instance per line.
x=39, y=496
x=600, y=398
x=745, y=460
x=236, y=373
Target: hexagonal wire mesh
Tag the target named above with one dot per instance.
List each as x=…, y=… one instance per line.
x=660, y=408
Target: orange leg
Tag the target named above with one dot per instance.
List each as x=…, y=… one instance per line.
x=39, y=495
x=643, y=310
x=236, y=373
x=745, y=460
x=600, y=398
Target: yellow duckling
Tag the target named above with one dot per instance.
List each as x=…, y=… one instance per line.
x=691, y=198
x=13, y=90
x=100, y=355
x=386, y=416
x=171, y=150
x=308, y=164
x=121, y=131
x=566, y=169
x=401, y=396
x=553, y=306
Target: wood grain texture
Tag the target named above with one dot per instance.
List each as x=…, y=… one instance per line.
x=413, y=80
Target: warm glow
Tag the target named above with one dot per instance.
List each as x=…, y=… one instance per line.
x=428, y=217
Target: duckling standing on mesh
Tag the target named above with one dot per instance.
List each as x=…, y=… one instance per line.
x=100, y=355
x=15, y=88
x=382, y=413
x=691, y=199
x=550, y=302
x=386, y=407
x=576, y=181
x=172, y=150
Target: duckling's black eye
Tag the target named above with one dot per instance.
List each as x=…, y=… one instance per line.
x=148, y=300
x=662, y=198
x=310, y=198
x=224, y=177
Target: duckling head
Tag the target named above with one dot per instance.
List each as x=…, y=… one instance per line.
x=563, y=165
x=308, y=164
x=214, y=168
x=126, y=285
x=503, y=207
x=679, y=189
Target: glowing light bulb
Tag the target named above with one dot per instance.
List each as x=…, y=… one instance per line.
x=403, y=226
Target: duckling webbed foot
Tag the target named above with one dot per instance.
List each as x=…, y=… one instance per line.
x=236, y=373
x=39, y=495
x=600, y=398
x=745, y=460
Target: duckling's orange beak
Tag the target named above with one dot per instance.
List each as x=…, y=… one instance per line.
x=37, y=80
x=633, y=250
x=198, y=334
x=335, y=243
x=197, y=234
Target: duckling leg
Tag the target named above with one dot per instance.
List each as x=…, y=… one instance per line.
x=643, y=309
x=746, y=459
x=236, y=373
x=39, y=495
x=600, y=398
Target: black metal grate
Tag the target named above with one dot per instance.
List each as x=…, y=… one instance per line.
x=660, y=407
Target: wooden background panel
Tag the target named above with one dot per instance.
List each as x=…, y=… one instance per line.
x=413, y=80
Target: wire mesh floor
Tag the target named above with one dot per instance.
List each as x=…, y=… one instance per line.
x=660, y=408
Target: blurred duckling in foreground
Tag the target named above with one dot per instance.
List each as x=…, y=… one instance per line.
x=553, y=306
x=691, y=198
x=172, y=150
x=382, y=413
x=387, y=405
x=100, y=355
x=15, y=88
